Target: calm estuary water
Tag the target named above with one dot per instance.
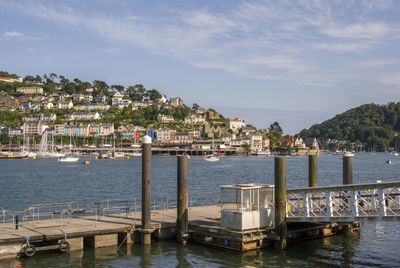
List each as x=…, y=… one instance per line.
x=27, y=182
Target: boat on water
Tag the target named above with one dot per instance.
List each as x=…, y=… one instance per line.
x=262, y=153
x=68, y=158
x=211, y=158
x=135, y=153
x=14, y=156
x=118, y=155
x=389, y=162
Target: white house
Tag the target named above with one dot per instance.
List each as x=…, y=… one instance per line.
x=194, y=120
x=162, y=118
x=176, y=101
x=48, y=105
x=64, y=105
x=234, y=123
x=83, y=116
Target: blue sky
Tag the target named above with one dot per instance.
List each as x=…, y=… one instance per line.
x=295, y=62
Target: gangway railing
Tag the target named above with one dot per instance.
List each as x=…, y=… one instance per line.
x=344, y=203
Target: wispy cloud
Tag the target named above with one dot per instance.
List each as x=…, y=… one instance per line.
x=13, y=34
x=393, y=79
x=276, y=40
x=112, y=50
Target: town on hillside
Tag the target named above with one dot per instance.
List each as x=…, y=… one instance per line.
x=96, y=114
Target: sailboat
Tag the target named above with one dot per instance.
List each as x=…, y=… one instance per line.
x=212, y=157
x=47, y=148
x=26, y=148
x=69, y=157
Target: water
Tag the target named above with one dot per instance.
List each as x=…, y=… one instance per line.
x=27, y=182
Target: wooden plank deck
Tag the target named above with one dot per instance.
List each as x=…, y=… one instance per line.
x=88, y=225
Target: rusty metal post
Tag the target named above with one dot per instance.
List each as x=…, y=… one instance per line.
x=280, y=202
x=312, y=170
x=348, y=169
x=146, y=229
x=182, y=207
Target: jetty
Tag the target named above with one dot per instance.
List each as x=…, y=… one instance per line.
x=245, y=217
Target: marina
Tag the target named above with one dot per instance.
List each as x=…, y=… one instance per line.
x=115, y=223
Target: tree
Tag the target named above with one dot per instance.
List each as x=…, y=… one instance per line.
x=246, y=147
x=195, y=106
x=153, y=94
x=118, y=88
x=101, y=86
x=63, y=81
x=53, y=76
x=276, y=128
x=29, y=78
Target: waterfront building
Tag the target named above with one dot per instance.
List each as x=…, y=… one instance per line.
x=33, y=128
x=184, y=137
x=266, y=143
x=30, y=90
x=59, y=129
x=256, y=142
x=165, y=135
x=311, y=143
x=94, y=130
x=106, y=129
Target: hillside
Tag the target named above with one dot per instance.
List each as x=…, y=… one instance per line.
x=375, y=126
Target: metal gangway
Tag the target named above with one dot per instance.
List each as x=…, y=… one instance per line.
x=344, y=203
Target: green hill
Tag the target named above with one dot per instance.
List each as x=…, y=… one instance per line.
x=375, y=126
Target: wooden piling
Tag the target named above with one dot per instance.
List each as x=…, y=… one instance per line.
x=312, y=170
x=182, y=207
x=348, y=169
x=146, y=191
x=280, y=202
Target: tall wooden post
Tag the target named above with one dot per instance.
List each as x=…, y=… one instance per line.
x=146, y=229
x=348, y=169
x=182, y=207
x=312, y=170
x=280, y=202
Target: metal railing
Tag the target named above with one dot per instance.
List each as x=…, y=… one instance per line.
x=344, y=202
x=64, y=212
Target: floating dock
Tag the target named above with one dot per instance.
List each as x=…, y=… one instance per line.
x=116, y=229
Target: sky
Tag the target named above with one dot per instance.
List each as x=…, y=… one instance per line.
x=295, y=62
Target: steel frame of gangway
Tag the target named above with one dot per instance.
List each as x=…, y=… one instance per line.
x=344, y=203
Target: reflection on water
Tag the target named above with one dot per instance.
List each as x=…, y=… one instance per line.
x=27, y=182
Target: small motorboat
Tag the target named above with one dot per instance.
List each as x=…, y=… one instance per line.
x=211, y=158
x=389, y=162
x=68, y=159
